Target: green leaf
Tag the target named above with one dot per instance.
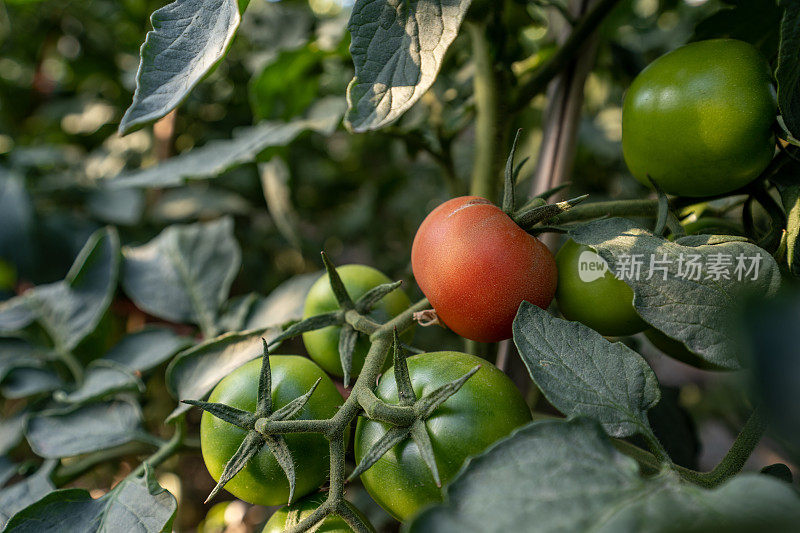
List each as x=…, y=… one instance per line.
x=83, y=429
x=567, y=476
x=752, y=21
x=788, y=71
x=25, y=492
x=697, y=312
x=787, y=179
x=17, y=353
x=275, y=177
x=398, y=47
x=24, y=382
x=283, y=305
x=189, y=38
x=214, y=158
x=69, y=310
x=147, y=348
x=11, y=431
x=137, y=503
x=287, y=85
x=185, y=273
x=102, y=379
x=581, y=373
x=194, y=372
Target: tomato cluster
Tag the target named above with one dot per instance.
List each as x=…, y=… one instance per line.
x=697, y=122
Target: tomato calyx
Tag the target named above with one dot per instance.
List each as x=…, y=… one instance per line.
x=536, y=210
x=251, y=422
x=407, y=418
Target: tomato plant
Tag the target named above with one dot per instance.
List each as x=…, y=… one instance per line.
x=262, y=480
x=323, y=344
x=161, y=303
x=699, y=120
x=487, y=408
x=476, y=266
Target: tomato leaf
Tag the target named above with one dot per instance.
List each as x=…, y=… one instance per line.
x=753, y=21
x=283, y=305
x=567, y=476
x=217, y=156
x=25, y=492
x=101, y=379
x=581, y=373
x=16, y=219
x=11, y=431
x=188, y=39
x=26, y=381
x=83, y=429
x=70, y=309
x=397, y=48
x=788, y=71
x=787, y=179
x=194, y=372
x=185, y=273
x=146, y=349
x=701, y=312
x=137, y=503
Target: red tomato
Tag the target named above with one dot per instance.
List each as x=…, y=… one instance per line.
x=476, y=266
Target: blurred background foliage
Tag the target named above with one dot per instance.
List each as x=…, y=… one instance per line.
x=67, y=74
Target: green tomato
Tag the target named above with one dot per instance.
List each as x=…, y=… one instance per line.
x=712, y=226
x=262, y=481
x=487, y=408
x=323, y=344
x=677, y=350
x=600, y=301
x=698, y=120
x=291, y=515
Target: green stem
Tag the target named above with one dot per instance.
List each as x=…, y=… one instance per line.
x=649, y=462
x=377, y=409
x=486, y=120
x=73, y=365
x=734, y=460
x=615, y=208
x=580, y=34
x=168, y=449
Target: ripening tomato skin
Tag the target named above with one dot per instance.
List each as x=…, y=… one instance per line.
x=699, y=119
x=262, y=481
x=476, y=266
x=604, y=304
x=323, y=344
x=291, y=515
x=487, y=408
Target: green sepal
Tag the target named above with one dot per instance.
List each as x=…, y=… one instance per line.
x=250, y=446
x=264, y=401
x=309, y=324
x=374, y=295
x=423, y=441
x=337, y=285
x=277, y=445
x=292, y=408
x=527, y=218
x=510, y=178
x=392, y=437
x=549, y=193
x=425, y=406
x=405, y=392
x=347, y=345
x=231, y=415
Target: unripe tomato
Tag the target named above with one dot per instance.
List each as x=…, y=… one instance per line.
x=291, y=515
x=486, y=408
x=476, y=266
x=262, y=481
x=602, y=302
x=699, y=119
x=323, y=344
